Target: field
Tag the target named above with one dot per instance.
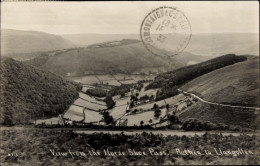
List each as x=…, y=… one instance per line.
x=74, y=113
x=91, y=99
x=121, y=101
x=85, y=79
x=54, y=120
x=105, y=77
x=91, y=116
x=206, y=113
x=127, y=81
x=112, y=82
x=121, y=105
x=89, y=105
x=115, y=80
x=145, y=117
x=118, y=111
x=174, y=99
x=149, y=92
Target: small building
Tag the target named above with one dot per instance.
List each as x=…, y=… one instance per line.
x=122, y=122
x=102, y=122
x=182, y=106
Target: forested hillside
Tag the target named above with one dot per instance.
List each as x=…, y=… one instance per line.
x=28, y=93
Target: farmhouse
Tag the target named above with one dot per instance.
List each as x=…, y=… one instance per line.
x=122, y=122
x=102, y=122
x=182, y=106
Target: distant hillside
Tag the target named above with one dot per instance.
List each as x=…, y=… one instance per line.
x=89, y=39
x=125, y=56
x=16, y=41
x=200, y=44
x=226, y=43
x=28, y=93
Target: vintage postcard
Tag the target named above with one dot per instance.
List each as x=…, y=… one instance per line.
x=129, y=83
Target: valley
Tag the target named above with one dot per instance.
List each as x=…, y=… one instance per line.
x=136, y=88
x=129, y=83
x=138, y=104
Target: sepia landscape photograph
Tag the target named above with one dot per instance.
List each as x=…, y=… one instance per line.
x=129, y=83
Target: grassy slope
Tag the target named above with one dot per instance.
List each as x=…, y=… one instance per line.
x=237, y=84
x=28, y=93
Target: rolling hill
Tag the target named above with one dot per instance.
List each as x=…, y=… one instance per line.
x=200, y=44
x=28, y=93
x=225, y=43
x=89, y=39
x=237, y=85
x=17, y=41
x=231, y=80
x=125, y=56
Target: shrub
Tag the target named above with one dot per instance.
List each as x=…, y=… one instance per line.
x=98, y=92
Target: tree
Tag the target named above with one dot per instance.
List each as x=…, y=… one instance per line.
x=132, y=104
x=173, y=118
x=122, y=94
x=137, y=94
x=157, y=113
x=110, y=102
x=150, y=121
x=167, y=107
x=108, y=118
x=142, y=123
x=155, y=106
x=151, y=98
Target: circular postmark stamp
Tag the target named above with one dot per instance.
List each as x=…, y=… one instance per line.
x=165, y=31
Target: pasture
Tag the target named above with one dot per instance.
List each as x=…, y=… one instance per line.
x=53, y=120
x=112, y=82
x=91, y=116
x=170, y=101
x=89, y=105
x=74, y=113
x=145, y=117
x=118, y=111
x=91, y=99
x=115, y=80
x=91, y=79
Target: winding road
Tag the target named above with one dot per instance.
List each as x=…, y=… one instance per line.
x=218, y=104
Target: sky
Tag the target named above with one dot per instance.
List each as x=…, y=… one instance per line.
x=126, y=17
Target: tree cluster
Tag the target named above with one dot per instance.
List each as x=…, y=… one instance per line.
x=98, y=92
x=110, y=102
